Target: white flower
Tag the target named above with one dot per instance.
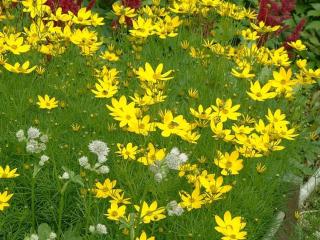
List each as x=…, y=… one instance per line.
x=44, y=138
x=99, y=148
x=20, y=135
x=34, y=237
x=83, y=161
x=33, y=133
x=173, y=208
x=103, y=169
x=183, y=157
x=158, y=177
x=52, y=236
x=92, y=229
x=43, y=160
x=32, y=146
x=102, y=158
x=175, y=151
x=101, y=229
x=65, y=176
x=175, y=159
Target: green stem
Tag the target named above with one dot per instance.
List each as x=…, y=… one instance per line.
x=132, y=233
x=33, y=217
x=61, y=206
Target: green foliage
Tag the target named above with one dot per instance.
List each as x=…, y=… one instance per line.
x=309, y=10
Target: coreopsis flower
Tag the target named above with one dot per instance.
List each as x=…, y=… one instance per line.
x=192, y=201
x=230, y=227
x=17, y=68
x=127, y=152
x=229, y=163
x=15, y=44
x=298, y=45
x=263, y=28
x=243, y=73
x=148, y=74
x=105, y=189
x=7, y=172
x=36, y=7
x=152, y=155
x=249, y=35
x=150, y=213
x=144, y=236
x=261, y=168
x=204, y=114
x=4, y=199
x=142, y=28
x=116, y=212
x=123, y=12
x=193, y=93
x=220, y=133
x=223, y=110
x=46, y=102
x=259, y=93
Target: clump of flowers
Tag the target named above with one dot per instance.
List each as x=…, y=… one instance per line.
x=34, y=139
x=101, y=150
x=173, y=161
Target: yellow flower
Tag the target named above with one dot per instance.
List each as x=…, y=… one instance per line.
x=148, y=74
x=263, y=28
x=298, y=45
x=229, y=163
x=185, y=44
x=230, y=227
x=115, y=212
x=46, y=102
x=173, y=125
x=260, y=94
x=204, y=114
x=261, y=168
x=245, y=73
x=142, y=28
x=127, y=152
x=143, y=236
x=17, y=68
x=122, y=12
x=4, y=198
x=220, y=133
x=141, y=125
x=152, y=155
x=193, y=93
x=14, y=44
x=150, y=213
x=36, y=7
x=224, y=110
x=110, y=56
x=40, y=70
x=193, y=201
x=249, y=35
x=75, y=127
x=104, y=89
x=105, y=190
x=82, y=17
x=7, y=172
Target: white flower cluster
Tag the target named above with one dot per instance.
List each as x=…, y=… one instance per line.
x=174, y=209
x=172, y=161
x=98, y=229
x=175, y=159
x=65, y=176
x=52, y=236
x=35, y=140
x=101, y=150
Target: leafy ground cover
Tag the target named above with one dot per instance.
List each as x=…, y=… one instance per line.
x=159, y=121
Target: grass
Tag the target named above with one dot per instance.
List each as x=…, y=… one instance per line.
x=69, y=77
